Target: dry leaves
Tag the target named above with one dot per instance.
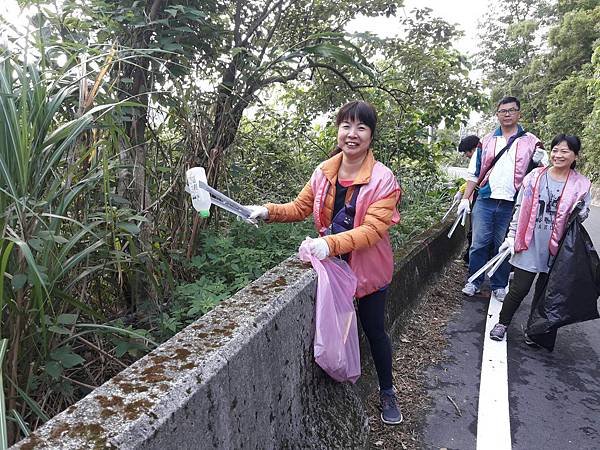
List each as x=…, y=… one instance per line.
x=420, y=346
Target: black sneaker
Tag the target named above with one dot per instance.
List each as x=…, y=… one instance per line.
x=529, y=342
x=390, y=412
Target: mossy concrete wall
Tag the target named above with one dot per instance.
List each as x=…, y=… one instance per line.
x=243, y=375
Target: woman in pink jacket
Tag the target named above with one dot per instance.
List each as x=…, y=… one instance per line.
x=353, y=199
x=542, y=210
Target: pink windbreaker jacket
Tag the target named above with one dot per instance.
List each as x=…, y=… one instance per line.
x=525, y=147
x=373, y=266
x=574, y=190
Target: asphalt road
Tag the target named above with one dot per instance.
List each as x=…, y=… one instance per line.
x=554, y=397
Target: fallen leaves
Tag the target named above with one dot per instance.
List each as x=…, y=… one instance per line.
x=421, y=344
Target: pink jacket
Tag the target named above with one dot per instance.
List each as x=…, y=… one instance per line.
x=525, y=147
x=373, y=266
x=574, y=190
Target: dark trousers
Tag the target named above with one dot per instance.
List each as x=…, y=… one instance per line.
x=519, y=288
x=371, y=310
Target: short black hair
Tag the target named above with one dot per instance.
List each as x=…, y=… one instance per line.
x=508, y=99
x=356, y=110
x=468, y=143
x=573, y=142
x=360, y=111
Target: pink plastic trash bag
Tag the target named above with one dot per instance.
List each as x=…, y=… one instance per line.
x=336, y=335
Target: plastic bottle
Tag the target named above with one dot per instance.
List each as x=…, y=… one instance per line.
x=200, y=198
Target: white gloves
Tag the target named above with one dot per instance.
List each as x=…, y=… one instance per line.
x=258, y=212
x=457, y=196
x=318, y=247
x=538, y=155
x=509, y=243
x=463, y=206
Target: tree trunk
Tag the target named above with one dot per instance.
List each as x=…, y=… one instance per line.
x=228, y=114
x=135, y=187
x=133, y=182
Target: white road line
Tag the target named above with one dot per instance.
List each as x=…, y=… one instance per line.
x=493, y=419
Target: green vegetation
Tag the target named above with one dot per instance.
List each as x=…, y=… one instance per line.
x=231, y=258
x=103, y=106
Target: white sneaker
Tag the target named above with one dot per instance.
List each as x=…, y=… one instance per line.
x=499, y=293
x=470, y=289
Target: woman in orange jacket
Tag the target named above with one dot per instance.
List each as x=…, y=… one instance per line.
x=353, y=200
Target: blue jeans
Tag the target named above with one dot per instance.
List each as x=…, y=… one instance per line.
x=491, y=219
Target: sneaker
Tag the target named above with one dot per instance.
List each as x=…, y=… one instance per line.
x=497, y=333
x=499, y=293
x=470, y=290
x=390, y=412
x=529, y=342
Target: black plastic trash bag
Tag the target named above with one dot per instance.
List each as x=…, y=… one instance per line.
x=572, y=289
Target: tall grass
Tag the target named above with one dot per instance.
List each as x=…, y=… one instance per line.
x=425, y=198
x=58, y=231
x=3, y=432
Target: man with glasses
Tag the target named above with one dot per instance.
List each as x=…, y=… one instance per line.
x=497, y=170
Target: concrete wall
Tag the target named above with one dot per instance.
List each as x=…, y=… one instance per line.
x=243, y=375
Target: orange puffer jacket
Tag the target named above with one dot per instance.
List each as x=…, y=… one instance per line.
x=377, y=220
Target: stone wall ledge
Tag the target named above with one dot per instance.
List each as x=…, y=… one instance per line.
x=243, y=376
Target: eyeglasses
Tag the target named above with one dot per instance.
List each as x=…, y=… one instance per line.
x=510, y=111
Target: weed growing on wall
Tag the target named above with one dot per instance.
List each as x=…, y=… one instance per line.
x=228, y=260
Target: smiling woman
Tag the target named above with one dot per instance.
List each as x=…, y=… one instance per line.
x=356, y=122
x=542, y=210
x=353, y=200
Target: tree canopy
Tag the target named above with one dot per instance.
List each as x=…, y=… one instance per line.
x=543, y=53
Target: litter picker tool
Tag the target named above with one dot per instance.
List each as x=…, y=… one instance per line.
x=462, y=218
x=454, y=203
x=217, y=198
x=492, y=264
x=222, y=201
x=499, y=262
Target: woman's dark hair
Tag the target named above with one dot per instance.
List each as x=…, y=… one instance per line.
x=468, y=143
x=573, y=142
x=359, y=111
